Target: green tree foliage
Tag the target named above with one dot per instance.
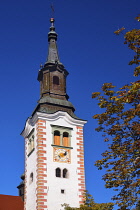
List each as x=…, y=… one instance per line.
x=90, y=204
x=120, y=125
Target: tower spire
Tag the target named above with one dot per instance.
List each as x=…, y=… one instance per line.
x=53, y=56
x=52, y=77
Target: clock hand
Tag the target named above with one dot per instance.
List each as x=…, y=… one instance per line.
x=62, y=154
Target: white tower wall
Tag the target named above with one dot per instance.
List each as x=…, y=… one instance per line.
x=46, y=191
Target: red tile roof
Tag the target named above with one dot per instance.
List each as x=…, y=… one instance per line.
x=9, y=202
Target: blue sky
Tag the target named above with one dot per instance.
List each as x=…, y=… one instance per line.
x=89, y=50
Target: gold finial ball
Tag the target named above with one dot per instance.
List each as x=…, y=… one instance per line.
x=52, y=20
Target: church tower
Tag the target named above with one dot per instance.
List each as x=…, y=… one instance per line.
x=54, y=153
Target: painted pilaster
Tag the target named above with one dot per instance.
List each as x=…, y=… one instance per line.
x=41, y=165
x=80, y=164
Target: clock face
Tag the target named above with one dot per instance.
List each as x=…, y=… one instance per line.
x=61, y=155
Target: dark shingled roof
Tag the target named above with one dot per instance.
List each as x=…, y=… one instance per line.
x=9, y=202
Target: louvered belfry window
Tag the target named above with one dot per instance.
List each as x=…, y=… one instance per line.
x=56, y=137
x=66, y=139
x=61, y=136
x=55, y=80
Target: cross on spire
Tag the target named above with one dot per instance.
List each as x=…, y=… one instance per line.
x=52, y=9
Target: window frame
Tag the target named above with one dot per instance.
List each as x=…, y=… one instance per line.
x=31, y=142
x=62, y=130
x=56, y=137
x=65, y=139
x=56, y=80
x=65, y=173
x=62, y=191
x=58, y=173
x=31, y=179
x=61, y=173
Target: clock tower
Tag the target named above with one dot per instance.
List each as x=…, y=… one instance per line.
x=54, y=151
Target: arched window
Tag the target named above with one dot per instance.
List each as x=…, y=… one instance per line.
x=65, y=173
x=66, y=139
x=30, y=143
x=56, y=137
x=58, y=172
x=31, y=177
x=55, y=80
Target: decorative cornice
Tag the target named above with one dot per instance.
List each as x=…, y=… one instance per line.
x=27, y=128
x=50, y=117
x=56, y=116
